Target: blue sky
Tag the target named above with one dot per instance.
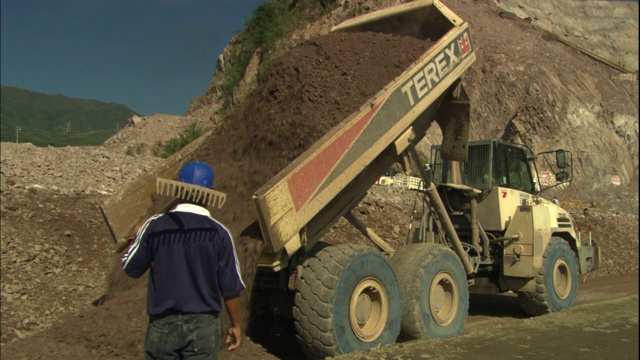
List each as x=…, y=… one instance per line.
x=153, y=56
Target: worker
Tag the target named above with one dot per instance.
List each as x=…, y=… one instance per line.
x=193, y=269
x=555, y=200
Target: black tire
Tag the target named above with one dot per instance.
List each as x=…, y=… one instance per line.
x=556, y=282
x=435, y=294
x=347, y=299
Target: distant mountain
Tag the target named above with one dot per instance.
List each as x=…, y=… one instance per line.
x=58, y=120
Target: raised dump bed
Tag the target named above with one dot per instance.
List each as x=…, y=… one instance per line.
x=298, y=205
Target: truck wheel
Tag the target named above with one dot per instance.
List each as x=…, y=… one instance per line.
x=435, y=295
x=347, y=299
x=556, y=282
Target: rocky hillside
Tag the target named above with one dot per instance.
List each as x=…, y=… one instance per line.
x=580, y=24
x=529, y=88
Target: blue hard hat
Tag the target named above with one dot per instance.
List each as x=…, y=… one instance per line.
x=197, y=173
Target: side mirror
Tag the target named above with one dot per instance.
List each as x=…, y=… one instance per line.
x=562, y=176
x=561, y=159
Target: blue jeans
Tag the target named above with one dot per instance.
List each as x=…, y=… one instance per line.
x=183, y=336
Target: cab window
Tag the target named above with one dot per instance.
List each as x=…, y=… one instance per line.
x=512, y=168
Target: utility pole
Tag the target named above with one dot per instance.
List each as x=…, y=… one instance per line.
x=17, y=133
x=68, y=131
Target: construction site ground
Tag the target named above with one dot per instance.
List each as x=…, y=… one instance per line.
x=65, y=297
x=57, y=258
x=603, y=325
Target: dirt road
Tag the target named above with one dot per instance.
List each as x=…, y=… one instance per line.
x=602, y=325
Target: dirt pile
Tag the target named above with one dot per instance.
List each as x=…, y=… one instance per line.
x=140, y=137
x=64, y=169
x=302, y=96
x=55, y=257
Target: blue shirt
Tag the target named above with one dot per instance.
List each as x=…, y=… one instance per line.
x=192, y=258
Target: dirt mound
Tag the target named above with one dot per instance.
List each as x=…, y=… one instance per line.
x=302, y=96
x=140, y=137
x=63, y=170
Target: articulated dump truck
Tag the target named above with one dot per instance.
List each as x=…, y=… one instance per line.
x=349, y=297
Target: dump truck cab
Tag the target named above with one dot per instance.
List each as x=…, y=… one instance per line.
x=495, y=202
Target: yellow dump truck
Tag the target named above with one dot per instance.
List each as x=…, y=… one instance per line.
x=515, y=239
x=349, y=297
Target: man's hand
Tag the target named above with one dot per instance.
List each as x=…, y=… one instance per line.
x=234, y=334
x=233, y=338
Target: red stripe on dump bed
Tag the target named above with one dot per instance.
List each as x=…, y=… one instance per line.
x=304, y=182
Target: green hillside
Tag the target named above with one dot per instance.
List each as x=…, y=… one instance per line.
x=58, y=120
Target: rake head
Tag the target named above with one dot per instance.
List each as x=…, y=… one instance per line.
x=184, y=191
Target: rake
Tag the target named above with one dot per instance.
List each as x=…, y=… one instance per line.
x=179, y=191
x=184, y=191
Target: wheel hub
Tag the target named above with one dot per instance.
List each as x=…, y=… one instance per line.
x=562, y=279
x=363, y=308
x=368, y=309
x=443, y=298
